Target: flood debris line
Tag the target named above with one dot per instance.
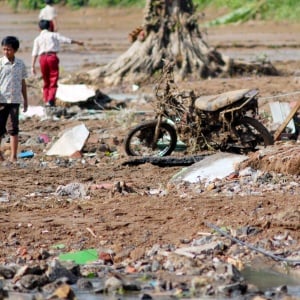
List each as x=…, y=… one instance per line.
x=284, y=158
x=259, y=250
x=209, y=266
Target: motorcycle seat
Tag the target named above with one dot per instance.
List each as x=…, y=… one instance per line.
x=216, y=102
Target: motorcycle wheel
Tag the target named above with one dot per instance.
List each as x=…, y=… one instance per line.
x=252, y=134
x=139, y=140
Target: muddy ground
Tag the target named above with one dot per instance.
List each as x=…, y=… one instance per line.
x=34, y=217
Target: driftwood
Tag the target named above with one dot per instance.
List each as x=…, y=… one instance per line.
x=170, y=32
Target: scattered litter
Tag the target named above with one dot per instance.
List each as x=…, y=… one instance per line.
x=71, y=141
x=38, y=111
x=157, y=192
x=135, y=87
x=44, y=138
x=73, y=190
x=59, y=246
x=91, y=232
x=80, y=257
x=26, y=154
x=4, y=197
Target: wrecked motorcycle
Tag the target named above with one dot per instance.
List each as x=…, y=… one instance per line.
x=225, y=122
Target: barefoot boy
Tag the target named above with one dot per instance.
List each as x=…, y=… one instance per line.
x=12, y=93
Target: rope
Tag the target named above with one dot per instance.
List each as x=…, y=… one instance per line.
x=279, y=96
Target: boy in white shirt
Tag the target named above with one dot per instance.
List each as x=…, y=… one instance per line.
x=45, y=48
x=49, y=13
x=13, y=93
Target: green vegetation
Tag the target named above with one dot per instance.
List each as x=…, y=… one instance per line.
x=105, y=3
x=243, y=9
x=263, y=9
x=37, y=4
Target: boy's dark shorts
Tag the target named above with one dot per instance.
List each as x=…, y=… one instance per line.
x=9, y=119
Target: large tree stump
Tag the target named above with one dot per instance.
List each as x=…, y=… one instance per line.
x=169, y=32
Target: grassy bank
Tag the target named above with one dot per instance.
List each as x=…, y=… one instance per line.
x=267, y=9
x=262, y=9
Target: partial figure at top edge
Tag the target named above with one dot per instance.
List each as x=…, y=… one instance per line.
x=49, y=13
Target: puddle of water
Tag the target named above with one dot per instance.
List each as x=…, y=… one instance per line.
x=263, y=279
x=79, y=296
x=267, y=279
x=282, y=54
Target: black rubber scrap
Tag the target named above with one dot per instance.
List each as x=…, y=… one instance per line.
x=165, y=161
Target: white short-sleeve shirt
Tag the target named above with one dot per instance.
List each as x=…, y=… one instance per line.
x=11, y=76
x=48, y=13
x=48, y=41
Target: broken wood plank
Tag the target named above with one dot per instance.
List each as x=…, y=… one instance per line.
x=286, y=121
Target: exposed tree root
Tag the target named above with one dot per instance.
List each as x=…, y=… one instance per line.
x=170, y=32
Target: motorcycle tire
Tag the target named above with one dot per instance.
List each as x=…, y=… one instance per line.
x=254, y=134
x=139, y=140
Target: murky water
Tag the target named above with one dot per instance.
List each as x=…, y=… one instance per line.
x=280, y=54
x=264, y=279
x=77, y=60
x=268, y=279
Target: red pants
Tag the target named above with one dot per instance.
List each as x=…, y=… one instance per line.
x=49, y=64
x=51, y=26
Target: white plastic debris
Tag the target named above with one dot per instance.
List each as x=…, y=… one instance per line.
x=4, y=196
x=71, y=141
x=74, y=92
x=218, y=165
x=135, y=87
x=38, y=111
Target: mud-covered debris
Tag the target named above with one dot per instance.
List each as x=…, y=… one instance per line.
x=283, y=158
x=73, y=190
